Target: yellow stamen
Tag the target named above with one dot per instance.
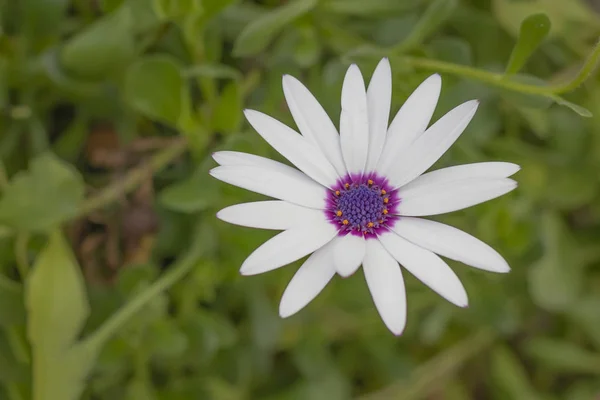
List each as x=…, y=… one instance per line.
x=370, y=182
x=338, y=213
x=370, y=225
x=337, y=192
x=385, y=211
x=345, y=222
x=386, y=200
x=383, y=191
x=346, y=185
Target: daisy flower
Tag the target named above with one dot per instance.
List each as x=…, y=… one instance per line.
x=356, y=197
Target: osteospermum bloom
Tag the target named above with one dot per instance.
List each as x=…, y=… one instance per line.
x=357, y=196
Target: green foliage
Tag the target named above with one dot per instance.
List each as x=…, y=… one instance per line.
x=57, y=308
x=534, y=30
x=166, y=98
x=118, y=282
x=104, y=47
x=260, y=32
x=42, y=197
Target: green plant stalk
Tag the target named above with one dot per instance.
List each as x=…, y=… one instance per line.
x=588, y=67
x=500, y=80
x=133, y=179
x=434, y=371
x=107, y=330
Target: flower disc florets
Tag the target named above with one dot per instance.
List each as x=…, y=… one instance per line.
x=362, y=205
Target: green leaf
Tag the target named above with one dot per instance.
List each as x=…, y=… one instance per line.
x=43, y=17
x=165, y=339
x=11, y=370
x=57, y=309
x=584, y=112
x=563, y=356
x=534, y=30
x=103, y=48
x=196, y=193
x=227, y=115
x=556, y=279
x=260, y=32
x=155, y=87
x=110, y=5
x=563, y=14
x=12, y=308
x=308, y=49
x=509, y=375
x=43, y=197
x=140, y=389
x=585, y=314
x=51, y=67
x=438, y=12
x=169, y=9
x=369, y=8
x=457, y=51
x=214, y=71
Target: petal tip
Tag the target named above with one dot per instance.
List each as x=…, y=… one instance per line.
x=285, y=312
x=504, y=268
x=397, y=332
x=385, y=62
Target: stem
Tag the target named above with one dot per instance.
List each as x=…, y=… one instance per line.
x=495, y=79
x=133, y=179
x=433, y=372
x=588, y=67
x=117, y=320
x=500, y=80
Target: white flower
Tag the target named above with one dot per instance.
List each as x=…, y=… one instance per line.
x=355, y=196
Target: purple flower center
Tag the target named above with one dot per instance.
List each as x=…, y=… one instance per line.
x=362, y=205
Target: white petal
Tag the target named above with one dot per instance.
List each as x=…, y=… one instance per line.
x=287, y=247
x=410, y=121
x=302, y=153
x=431, y=145
x=279, y=181
x=426, y=267
x=313, y=122
x=348, y=254
x=451, y=196
x=236, y=158
x=467, y=171
x=272, y=214
x=384, y=278
x=379, y=99
x=308, y=282
x=354, y=122
x=450, y=242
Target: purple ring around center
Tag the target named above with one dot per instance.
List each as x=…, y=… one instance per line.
x=362, y=205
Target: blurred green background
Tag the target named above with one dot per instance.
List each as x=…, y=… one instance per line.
x=109, y=111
